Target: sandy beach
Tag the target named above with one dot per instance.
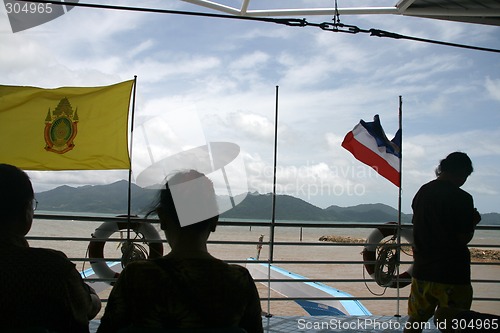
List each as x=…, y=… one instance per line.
x=316, y=251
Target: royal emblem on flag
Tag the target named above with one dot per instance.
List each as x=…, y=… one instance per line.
x=61, y=128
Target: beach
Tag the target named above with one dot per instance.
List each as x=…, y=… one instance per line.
x=316, y=251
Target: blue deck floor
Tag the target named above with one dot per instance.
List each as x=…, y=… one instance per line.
x=317, y=324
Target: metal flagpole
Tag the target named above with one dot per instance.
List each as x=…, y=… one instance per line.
x=399, y=202
x=273, y=216
x=129, y=193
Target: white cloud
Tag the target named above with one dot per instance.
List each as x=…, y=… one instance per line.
x=257, y=126
x=172, y=66
x=250, y=61
x=493, y=88
x=141, y=48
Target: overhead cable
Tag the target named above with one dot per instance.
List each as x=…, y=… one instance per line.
x=294, y=22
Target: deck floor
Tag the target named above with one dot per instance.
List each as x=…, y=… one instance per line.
x=330, y=324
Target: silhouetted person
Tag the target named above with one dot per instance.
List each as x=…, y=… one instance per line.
x=38, y=287
x=444, y=219
x=187, y=288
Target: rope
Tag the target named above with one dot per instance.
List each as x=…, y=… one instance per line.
x=385, y=266
x=86, y=256
x=132, y=252
x=367, y=287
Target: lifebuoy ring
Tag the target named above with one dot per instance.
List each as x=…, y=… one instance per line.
x=105, y=230
x=370, y=253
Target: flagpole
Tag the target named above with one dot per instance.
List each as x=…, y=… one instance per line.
x=273, y=216
x=399, y=201
x=129, y=193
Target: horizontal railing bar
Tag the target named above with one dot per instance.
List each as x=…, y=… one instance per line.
x=384, y=298
x=351, y=280
x=254, y=262
x=73, y=218
x=303, y=280
x=95, y=259
x=86, y=239
x=94, y=280
x=228, y=222
x=291, y=262
x=363, y=298
x=326, y=262
x=320, y=243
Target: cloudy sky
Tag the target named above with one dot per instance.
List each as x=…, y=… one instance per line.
x=208, y=79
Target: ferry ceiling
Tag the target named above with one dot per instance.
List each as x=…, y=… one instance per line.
x=470, y=11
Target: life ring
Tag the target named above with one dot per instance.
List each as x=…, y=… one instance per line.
x=370, y=254
x=105, y=230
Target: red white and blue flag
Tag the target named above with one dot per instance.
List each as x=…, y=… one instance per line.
x=369, y=144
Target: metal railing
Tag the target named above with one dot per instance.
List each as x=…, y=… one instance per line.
x=324, y=263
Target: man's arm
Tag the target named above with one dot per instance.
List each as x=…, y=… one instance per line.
x=465, y=238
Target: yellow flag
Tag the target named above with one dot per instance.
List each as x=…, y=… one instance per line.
x=68, y=128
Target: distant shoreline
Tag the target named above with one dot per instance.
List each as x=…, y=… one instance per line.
x=475, y=253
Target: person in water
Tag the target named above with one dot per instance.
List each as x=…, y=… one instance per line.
x=188, y=287
x=444, y=219
x=39, y=288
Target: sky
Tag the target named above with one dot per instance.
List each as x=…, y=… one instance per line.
x=203, y=79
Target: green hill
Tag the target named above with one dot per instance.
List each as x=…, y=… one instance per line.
x=112, y=199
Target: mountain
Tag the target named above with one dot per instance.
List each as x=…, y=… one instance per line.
x=259, y=206
x=367, y=213
x=490, y=219
x=112, y=199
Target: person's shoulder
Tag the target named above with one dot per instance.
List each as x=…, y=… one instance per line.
x=432, y=183
x=465, y=195
x=441, y=186
x=427, y=186
x=464, y=192
x=238, y=270
x=142, y=268
x=46, y=260
x=55, y=255
x=140, y=265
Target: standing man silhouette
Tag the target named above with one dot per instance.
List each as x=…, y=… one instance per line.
x=444, y=219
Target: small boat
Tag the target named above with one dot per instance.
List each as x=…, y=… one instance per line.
x=292, y=289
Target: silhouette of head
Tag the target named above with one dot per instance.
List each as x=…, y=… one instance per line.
x=189, y=200
x=456, y=163
x=16, y=196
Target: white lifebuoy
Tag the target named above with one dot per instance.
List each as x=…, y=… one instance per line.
x=370, y=252
x=105, y=230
